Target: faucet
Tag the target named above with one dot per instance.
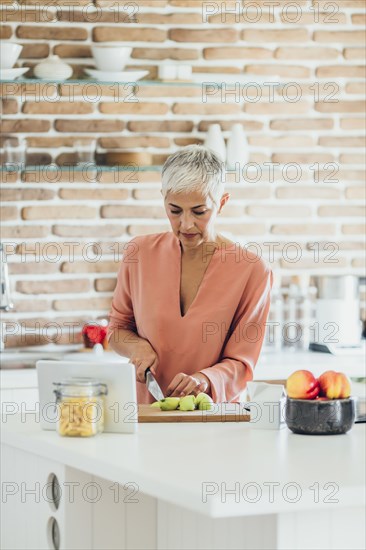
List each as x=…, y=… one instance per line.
x=5, y=299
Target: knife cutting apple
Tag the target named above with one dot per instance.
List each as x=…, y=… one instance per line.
x=186, y=403
x=152, y=385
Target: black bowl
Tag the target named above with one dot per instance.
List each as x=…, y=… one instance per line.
x=318, y=417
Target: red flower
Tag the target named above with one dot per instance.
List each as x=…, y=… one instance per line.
x=94, y=334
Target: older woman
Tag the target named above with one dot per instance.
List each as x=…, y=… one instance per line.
x=189, y=303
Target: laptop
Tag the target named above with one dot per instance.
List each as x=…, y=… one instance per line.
x=120, y=406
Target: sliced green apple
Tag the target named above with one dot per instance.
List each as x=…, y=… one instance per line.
x=204, y=402
x=187, y=403
x=169, y=403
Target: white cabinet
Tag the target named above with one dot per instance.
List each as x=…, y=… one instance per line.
x=92, y=513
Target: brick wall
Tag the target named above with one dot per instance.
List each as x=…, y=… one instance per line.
x=302, y=202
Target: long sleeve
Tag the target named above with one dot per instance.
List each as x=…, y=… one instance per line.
x=122, y=313
x=245, y=338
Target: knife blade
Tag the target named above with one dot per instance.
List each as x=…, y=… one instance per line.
x=152, y=385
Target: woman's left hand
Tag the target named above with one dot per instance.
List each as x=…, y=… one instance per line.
x=184, y=384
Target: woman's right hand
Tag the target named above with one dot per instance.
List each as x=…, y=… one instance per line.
x=143, y=357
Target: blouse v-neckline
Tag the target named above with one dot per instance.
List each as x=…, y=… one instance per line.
x=203, y=280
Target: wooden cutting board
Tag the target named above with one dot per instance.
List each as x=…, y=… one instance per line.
x=229, y=413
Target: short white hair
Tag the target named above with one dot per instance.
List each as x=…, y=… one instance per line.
x=194, y=169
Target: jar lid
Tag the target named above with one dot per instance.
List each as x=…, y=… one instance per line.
x=81, y=384
x=79, y=381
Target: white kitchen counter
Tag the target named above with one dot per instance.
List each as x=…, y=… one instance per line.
x=172, y=462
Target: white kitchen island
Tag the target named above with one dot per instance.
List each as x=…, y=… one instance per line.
x=178, y=486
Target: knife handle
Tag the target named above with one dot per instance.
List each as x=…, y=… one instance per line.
x=146, y=371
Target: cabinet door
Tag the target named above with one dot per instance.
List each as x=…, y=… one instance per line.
x=27, y=508
x=31, y=517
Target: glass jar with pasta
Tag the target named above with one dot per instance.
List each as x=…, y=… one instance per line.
x=80, y=403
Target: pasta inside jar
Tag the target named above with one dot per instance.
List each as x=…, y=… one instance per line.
x=80, y=403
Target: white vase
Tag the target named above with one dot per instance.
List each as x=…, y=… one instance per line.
x=237, y=148
x=215, y=141
x=53, y=68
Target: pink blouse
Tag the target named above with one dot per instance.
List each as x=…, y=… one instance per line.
x=222, y=332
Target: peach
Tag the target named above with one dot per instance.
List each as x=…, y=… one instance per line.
x=302, y=384
x=334, y=385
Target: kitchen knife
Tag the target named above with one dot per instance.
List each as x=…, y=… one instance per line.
x=152, y=385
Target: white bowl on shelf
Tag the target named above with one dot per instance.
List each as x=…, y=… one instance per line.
x=111, y=57
x=9, y=53
x=12, y=74
x=123, y=76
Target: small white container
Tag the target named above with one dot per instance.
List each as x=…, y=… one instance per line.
x=267, y=405
x=53, y=68
x=168, y=72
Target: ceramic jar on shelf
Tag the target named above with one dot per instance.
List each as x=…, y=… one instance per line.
x=237, y=148
x=215, y=141
x=53, y=68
